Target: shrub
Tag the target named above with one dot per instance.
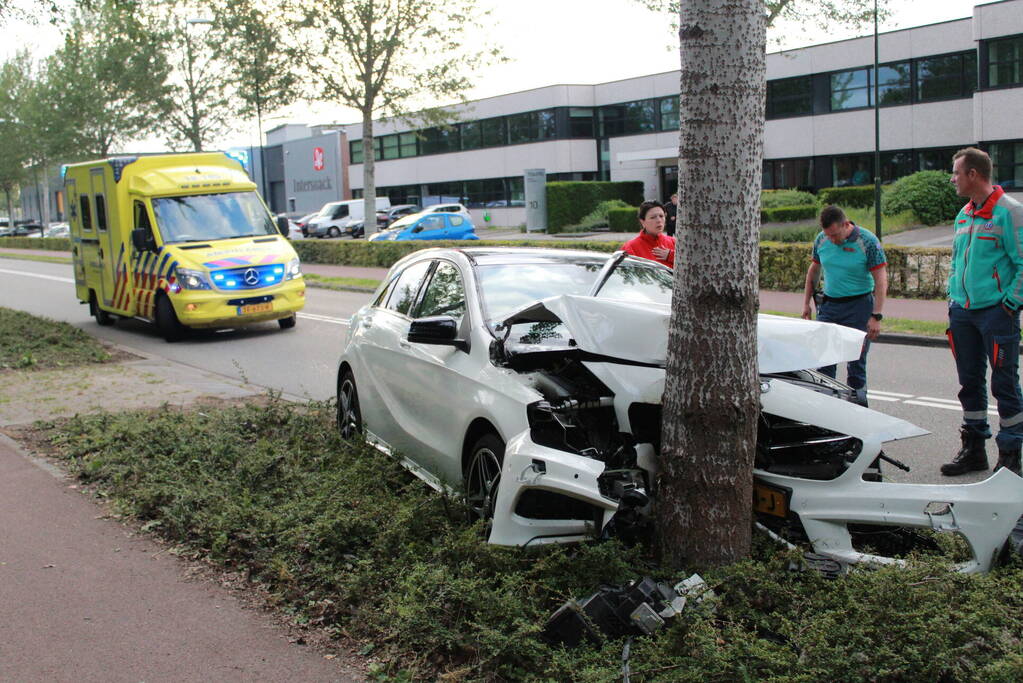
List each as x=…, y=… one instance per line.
x=787, y=214
x=623, y=219
x=598, y=218
x=928, y=194
x=47, y=243
x=772, y=199
x=852, y=196
x=569, y=201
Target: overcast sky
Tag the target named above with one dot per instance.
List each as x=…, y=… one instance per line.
x=567, y=41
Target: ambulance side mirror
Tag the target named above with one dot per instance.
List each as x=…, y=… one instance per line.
x=142, y=240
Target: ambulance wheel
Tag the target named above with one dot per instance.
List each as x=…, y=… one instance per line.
x=167, y=321
x=287, y=323
x=102, y=317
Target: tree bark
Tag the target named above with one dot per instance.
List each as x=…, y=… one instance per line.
x=369, y=182
x=711, y=396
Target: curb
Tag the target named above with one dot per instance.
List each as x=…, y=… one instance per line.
x=911, y=340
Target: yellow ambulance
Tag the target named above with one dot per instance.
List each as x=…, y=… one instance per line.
x=181, y=240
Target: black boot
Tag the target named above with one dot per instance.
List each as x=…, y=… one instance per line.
x=972, y=457
x=1010, y=460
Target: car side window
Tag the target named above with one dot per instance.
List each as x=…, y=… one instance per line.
x=433, y=223
x=444, y=295
x=456, y=220
x=403, y=293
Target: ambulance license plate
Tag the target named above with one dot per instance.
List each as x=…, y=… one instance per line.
x=256, y=308
x=770, y=500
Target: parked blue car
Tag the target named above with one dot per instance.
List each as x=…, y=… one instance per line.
x=429, y=226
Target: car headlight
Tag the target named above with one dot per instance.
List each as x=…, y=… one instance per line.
x=294, y=269
x=192, y=279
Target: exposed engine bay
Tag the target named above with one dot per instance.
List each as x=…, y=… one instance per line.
x=586, y=464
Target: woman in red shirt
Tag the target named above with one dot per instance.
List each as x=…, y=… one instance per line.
x=651, y=242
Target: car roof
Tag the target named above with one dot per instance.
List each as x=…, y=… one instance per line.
x=486, y=256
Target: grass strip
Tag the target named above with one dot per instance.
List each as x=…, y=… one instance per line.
x=346, y=540
x=36, y=257
x=357, y=284
x=924, y=328
x=28, y=341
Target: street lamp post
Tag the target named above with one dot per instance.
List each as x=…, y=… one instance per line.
x=877, y=137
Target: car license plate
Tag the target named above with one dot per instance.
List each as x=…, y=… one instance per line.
x=256, y=308
x=770, y=500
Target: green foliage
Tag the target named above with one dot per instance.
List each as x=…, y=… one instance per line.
x=928, y=194
x=345, y=539
x=46, y=243
x=796, y=233
x=569, y=201
x=845, y=197
x=787, y=214
x=772, y=199
x=623, y=219
x=29, y=341
x=598, y=218
x=16, y=77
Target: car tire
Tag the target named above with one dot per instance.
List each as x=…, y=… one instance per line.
x=333, y=232
x=349, y=417
x=102, y=317
x=483, y=475
x=167, y=321
x=287, y=323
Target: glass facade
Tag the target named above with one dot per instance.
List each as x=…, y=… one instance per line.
x=850, y=89
x=946, y=77
x=1008, y=161
x=788, y=174
x=790, y=97
x=1005, y=62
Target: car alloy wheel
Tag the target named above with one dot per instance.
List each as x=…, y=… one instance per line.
x=333, y=232
x=349, y=418
x=483, y=475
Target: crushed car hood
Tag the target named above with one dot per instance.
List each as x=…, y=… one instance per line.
x=638, y=333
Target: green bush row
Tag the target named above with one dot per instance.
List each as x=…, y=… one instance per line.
x=858, y=196
x=44, y=243
x=623, y=219
x=772, y=199
x=569, y=201
x=787, y=214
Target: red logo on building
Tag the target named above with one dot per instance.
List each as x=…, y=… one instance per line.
x=317, y=158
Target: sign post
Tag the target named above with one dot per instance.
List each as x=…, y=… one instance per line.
x=536, y=199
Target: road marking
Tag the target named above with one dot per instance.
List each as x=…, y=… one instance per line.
x=946, y=406
x=38, y=275
x=883, y=394
x=344, y=322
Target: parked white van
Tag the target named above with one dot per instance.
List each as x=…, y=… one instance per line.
x=342, y=218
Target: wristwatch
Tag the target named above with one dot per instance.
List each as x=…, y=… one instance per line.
x=877, y=316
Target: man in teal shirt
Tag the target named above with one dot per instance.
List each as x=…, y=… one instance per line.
x=985, y=288
x=855, y=286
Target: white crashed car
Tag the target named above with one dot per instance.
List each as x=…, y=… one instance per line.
x=532, y=379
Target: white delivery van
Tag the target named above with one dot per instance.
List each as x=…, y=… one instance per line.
x=342, y=218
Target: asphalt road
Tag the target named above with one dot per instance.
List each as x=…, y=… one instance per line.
x=914, y=383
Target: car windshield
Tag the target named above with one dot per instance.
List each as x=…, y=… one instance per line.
x=509, y=287
x=197, y=218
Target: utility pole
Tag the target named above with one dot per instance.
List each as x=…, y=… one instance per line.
x=877, y=137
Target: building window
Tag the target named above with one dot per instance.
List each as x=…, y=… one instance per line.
x=485, y=193
x=531, y=126
x=947, y=77
x=471, y=135
x=787, y=174
x=669, y=113
x=443, y=193
x=790, y=97
x=1005, y=62
x=642, y=116
x=580, y=122
x=936, y=159
x=494, y=132
x=440, y=140
x=389, y=145
x=408, y=145
x=850, y=89
x=852, y=170
x=895, y=165
x=516, y=191
x=893, y=84
x=355, y=151
x=1008, y=161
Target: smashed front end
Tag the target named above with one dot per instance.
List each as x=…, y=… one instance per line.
x=585, y=465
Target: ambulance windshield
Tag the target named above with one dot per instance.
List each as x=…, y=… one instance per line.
x=204, y=217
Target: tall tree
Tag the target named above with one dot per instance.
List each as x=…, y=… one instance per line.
x=199, y=105
x=114, y=77
x=711, y=390
x=824, y=14
x=384, y=58
x=15, y=81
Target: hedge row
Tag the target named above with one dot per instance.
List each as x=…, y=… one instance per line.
x=786, y=214
x=913, y=272
x=625, y=219
x=569, y=201
x=855, y=196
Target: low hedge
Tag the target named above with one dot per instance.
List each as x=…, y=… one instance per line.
x=569, y=201
x=772, y=199
x=856, y=196
x=44, y=243
x=787, y=214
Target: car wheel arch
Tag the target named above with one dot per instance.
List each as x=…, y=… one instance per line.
x=477, y=428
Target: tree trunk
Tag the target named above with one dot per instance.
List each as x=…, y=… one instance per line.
x=711, y=396
x=369, y=171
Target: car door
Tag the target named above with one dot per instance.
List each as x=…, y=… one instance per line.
x=383, y=346
x=438, y=385
x=431, y=227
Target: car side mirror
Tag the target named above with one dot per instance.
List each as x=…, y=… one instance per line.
x=439, y=330
x=142, y=240
x=418, y=228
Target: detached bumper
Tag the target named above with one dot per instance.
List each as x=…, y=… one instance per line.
x=212, y=308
